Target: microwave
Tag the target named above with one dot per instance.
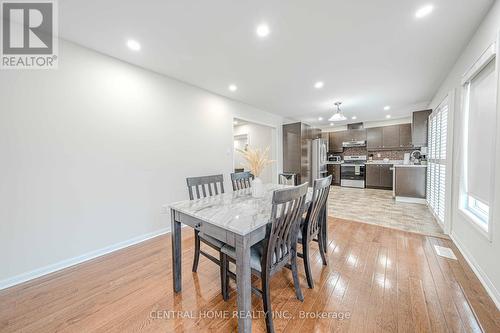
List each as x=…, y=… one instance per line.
x=334, y=158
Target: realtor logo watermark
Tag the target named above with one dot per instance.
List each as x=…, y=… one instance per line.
x=29, y=34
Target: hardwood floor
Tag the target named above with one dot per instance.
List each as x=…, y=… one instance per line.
x=380, y=279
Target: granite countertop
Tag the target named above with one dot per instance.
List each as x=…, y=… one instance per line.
x=410, y=165
x=333, y=162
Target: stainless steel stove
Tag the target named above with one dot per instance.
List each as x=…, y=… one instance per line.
x=352, y=171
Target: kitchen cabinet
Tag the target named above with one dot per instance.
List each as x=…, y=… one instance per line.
x=390, y=136
x=297, y=139
x=372, y=175
x=405, y=140
x=336, y=139
x=374, y=138
x=326, y=136
x=336, y=178
x=379, y=176
x=334, y=171
x=410, y=182
x=420, y=127
x=386, y=176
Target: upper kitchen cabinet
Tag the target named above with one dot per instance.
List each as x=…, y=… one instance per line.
x=405, y=140
x=374, y=138
x=335, y=142
x=315, y=133
x=390, y=136
x=420, y=127
x=326, y=136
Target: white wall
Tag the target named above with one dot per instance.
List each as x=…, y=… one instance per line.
x=260, y=136
x=482, y=254
x=90, y=152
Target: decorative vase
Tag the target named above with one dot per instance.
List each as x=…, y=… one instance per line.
x=258, y=190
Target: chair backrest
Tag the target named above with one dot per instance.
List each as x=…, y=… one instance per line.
x=281, y=234
x=241, y=180
x=321, y=190
x=206, y=186
x=287, y=178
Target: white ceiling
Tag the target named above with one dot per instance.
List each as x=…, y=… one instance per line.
x=368, y=53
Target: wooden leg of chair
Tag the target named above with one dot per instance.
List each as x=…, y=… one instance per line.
x=307, y=265
x=196, y=258
x=224, y=276
x=322, y=250
x=266, y=300
x=295, y=274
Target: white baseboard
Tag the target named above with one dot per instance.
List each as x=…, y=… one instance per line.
x=483, y=278
x=77, y=260
x=411, y=200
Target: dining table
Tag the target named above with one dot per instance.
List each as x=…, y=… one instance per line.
x=235, y=218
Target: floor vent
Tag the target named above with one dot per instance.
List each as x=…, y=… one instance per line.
x=445, y=252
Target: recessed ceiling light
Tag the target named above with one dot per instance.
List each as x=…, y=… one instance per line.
x=319, y=85
x=331, y=124
x=424, y=11
x=133, y=45
x=263, y=30
x=354, y=117
x=388, y=116
x=387, y=107
x=320, y=118
x=232, y=87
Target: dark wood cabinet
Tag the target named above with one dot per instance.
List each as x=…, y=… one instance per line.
x=390, y=136
x=411, y=182
x=336, y=139
x=386, y=175
x=405, y=136
x=379, y=176
x=334, y=171
x=336, y=178
x=420, y=127
x=326, y=136
x=374, y=138
x=372, y=175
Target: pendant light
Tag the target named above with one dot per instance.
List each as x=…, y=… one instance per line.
x=338, y=115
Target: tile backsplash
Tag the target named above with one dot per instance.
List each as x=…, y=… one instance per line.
x=390, y=154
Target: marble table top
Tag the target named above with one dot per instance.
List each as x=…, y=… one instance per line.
x=236, y=211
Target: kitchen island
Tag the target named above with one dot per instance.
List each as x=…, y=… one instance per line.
x=410, y=183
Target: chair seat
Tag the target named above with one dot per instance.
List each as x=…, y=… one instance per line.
x=209, y=239
x=255, y=254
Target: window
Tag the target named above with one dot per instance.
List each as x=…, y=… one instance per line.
x=436, y=169
x=480, y=89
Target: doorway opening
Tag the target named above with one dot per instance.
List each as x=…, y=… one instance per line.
x=249, y=134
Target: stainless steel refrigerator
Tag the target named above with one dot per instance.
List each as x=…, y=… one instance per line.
x=318, y=165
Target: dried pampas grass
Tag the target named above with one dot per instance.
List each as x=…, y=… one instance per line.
x=257, y=159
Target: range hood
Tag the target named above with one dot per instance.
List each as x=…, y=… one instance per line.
x=347, y=144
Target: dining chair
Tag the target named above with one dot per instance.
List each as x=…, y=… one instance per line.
x=241, y=180
x=202, y=187
x=310, y=229
x=287, y=178
x=279, y=247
